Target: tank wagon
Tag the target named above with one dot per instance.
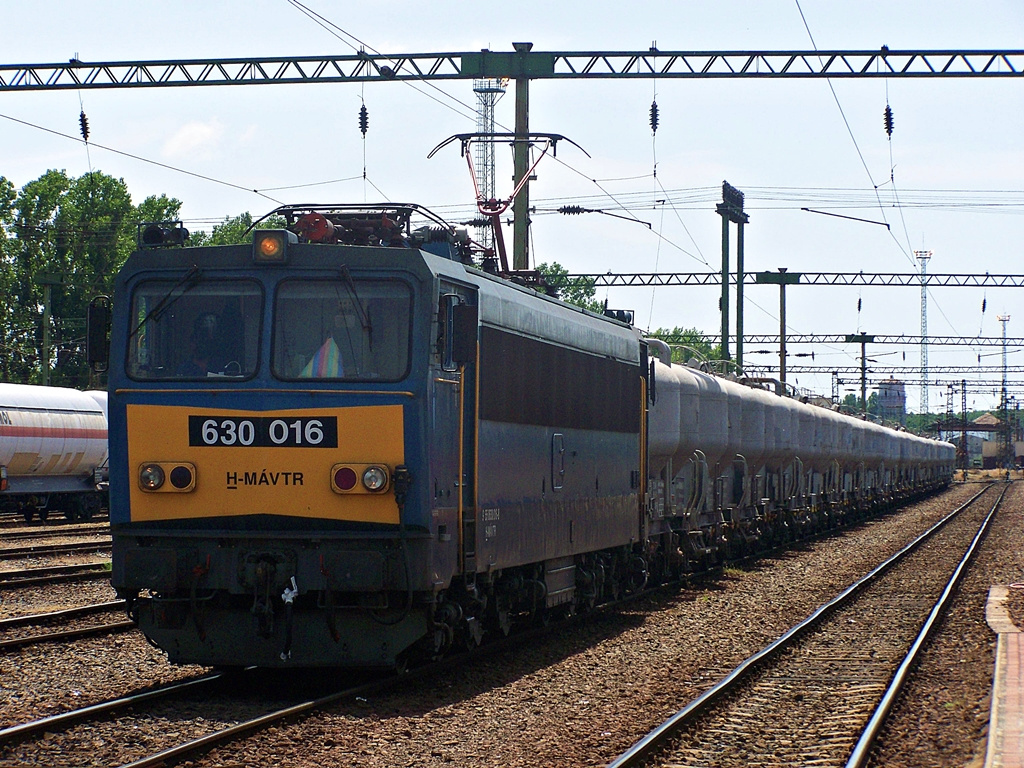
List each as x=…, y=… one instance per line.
x=53, y=451
x=346, y=445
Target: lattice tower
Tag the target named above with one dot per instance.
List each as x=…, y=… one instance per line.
x=923, y=257
x=488, y=92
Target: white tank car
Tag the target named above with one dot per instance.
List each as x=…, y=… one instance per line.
x=53, y=449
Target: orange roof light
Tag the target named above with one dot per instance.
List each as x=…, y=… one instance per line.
x=270, y=246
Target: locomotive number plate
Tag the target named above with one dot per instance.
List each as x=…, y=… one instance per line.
x=263, y=431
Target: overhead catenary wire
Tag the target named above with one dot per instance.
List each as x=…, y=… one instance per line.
x=142, y=159
x=849, y=130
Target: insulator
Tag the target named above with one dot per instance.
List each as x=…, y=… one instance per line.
x=858, y=305
x=984, y=303
x=364, y=119
x=654, y=117
x=83, y=121
x=888, y=120
x=572, y=210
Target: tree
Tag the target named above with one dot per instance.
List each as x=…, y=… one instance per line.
x=81, y=230
x=234, y=230
x=579, y=290
x=687, y=343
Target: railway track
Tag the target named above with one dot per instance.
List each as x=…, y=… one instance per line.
x=201, y=713
x=12, y=521
x=214, y=710
x=820, y=693
x=67, y=624
x=54, y=574
x=69, y=532
x=39, y=550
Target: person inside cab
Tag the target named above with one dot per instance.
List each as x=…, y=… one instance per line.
x=205, y=348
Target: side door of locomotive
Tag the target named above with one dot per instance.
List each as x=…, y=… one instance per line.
x=453, y=429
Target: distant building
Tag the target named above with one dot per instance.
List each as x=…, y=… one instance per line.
x=992, y=449
x=892, y=401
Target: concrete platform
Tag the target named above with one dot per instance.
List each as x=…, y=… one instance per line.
x=1006, y=718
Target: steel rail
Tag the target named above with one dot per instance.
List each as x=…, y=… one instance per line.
x=54, y=549
x=38, y=534
x=67, y=613
x=14, y=732
x=653, y=741
x=67, y=634
x=859, y=755
x=31, y=577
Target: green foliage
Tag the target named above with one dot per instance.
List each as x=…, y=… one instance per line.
x=687, y=343
x=922, y=423
x=234, y=230
x=579, y=291
x=81, y=229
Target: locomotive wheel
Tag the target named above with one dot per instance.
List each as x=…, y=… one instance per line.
x=27, y=514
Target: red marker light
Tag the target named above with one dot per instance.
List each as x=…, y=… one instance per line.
x=345, y=478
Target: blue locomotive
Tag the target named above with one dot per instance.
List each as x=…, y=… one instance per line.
x=347, y=445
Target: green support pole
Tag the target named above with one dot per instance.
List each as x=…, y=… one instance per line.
x=863, y=339
x=725, y=287
x=782, y=332
x=521, y=165
x=739, y=297
x=782, y=278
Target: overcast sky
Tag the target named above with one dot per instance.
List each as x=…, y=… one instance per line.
x=955, y=153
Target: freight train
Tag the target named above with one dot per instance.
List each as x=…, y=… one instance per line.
x=348, y=445
x=53, y=451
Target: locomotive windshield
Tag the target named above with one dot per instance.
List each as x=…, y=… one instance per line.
x=207, y=329
x=343, y=329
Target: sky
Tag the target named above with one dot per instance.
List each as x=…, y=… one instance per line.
x=956, y=148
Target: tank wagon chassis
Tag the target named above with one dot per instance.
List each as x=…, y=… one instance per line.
x=53, y=451
x=348, y=446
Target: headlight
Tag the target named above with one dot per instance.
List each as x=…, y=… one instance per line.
x=360, y=478
x=151, y=477
x=374, y=478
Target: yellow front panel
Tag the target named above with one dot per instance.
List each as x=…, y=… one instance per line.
x=235, y=479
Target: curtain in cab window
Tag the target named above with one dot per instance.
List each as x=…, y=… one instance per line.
x=341, y=330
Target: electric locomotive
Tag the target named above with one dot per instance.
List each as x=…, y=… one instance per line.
x=345, y=445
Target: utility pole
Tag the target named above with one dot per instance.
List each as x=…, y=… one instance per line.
x=782, y=278
x=923, y=257
x=863, y=339
x=49, y=279
x=1008, y=437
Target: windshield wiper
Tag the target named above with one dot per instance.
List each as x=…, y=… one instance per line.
x=190, y=281
x=364, y=317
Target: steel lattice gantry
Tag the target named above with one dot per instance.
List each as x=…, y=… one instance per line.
x=876, y=338
x=894, y=279
x=522, y=65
